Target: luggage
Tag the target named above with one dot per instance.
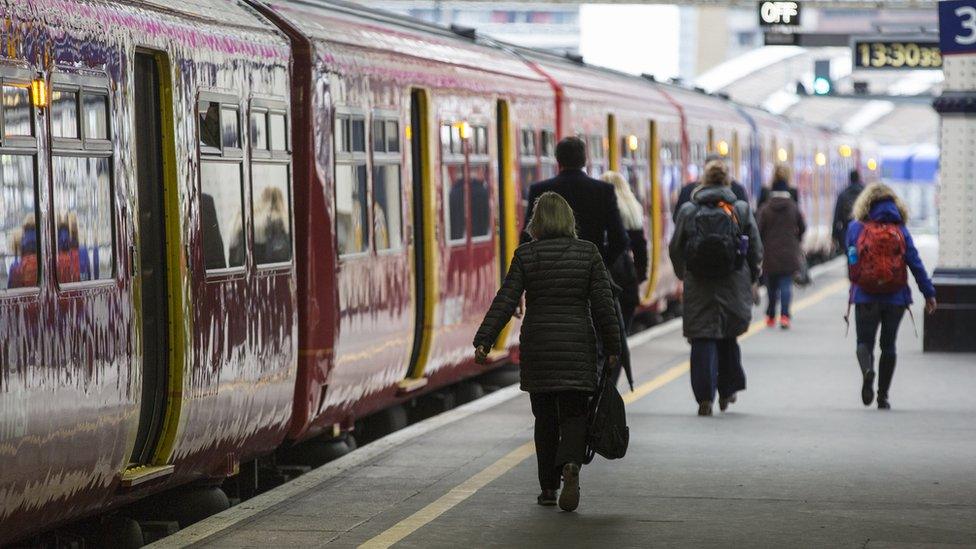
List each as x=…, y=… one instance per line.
x=714, y=247
x=879, y=266
x=607, y=433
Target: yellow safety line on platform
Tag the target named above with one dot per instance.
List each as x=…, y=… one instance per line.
x=481, y=479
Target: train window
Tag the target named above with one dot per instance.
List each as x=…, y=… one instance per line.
x=478, y=195
x=278, y=131
x=527, y=143
x=17, y=113
x=271, y=212
x=379, y=135
x=357, y=134
x=392, y=136
x=528, y=163
x=480, y=140
x=352, y=223
x=222, y=214
x=19, y=242
x=259, y=130
x=83, y=217
x=230, y=127
x=209, y=125
x=548, y=143
x=446, y=138
x=387, y=225
x=64, y=114
x=96, y=115
x=454, y=203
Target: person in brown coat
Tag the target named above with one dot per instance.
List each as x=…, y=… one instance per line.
x=781, y=227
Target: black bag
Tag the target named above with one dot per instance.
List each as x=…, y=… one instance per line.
x=713, y=245
x=607, y=433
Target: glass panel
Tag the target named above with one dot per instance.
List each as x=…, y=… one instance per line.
x=454, y=201
x=480, y=201
x=358, y=135
x=352, y=223
x=96, y=116
x=379, y=136
x=230, y=128
x=19, y=265
x=222, y=214
x=272, y=213
x=481, y=137
x=392, y=136
x=83, y=214
x=279, y=132
x=548, y=143
x=17, y=114
x=342, y=134
x=209, y=124
x=64, y=114
x=387, y=227
x=527, y=176
x=259, y=131
x=446, y=137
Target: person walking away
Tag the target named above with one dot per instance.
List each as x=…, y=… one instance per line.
x=781, y=174
x=685, y=195
x=781, y=228
x=716, y=250
x=594, y=205
x=844, y=208
x=567, y=293
x=880, y=251
x=630, y=268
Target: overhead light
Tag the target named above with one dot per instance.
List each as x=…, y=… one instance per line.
x=821, y=159
x=845, y=151
x=464, y=129
x=39, y=93
x=723, y=148
x=632, y=142
x=872, y=164
x=782, y=155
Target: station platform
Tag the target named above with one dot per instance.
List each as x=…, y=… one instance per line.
x=797, y=460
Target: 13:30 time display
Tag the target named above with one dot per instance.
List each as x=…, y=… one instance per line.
x=897, y=55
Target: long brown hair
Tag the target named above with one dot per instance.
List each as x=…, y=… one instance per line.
x=552, y=218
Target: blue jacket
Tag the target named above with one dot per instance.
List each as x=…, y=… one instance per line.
x=885, y=211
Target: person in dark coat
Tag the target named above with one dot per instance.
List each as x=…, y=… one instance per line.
x=879, y=204
x=685, y=195
x=630, y=269
x=597, y=217
x=781, y=175
x=567, y=292
x=781, y=227
x=716, y=310
x=844, y=209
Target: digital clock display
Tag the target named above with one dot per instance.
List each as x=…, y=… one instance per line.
x=895, y=54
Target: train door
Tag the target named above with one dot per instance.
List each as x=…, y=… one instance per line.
x=656, y=211
x=613, y=146
x=153, y=296
x=424, y=239
x=508, y=200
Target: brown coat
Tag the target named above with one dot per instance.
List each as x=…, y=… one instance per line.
x=781, y=227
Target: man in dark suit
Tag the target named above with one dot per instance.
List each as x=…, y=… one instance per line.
x=685, y=194
x=594, y=204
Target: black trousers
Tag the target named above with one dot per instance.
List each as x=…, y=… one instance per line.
x=716, y=364
x=560, y=432
x=868, y=317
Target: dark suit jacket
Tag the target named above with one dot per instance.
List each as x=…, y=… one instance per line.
x=685, y=195
x=595, y=205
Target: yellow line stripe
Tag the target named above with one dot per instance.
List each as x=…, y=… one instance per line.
x=468, y=488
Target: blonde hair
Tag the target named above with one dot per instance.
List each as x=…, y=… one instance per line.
x=631, y=211
x=551, y=218
x=782, y=172
x=872, y=194
x=716, y=174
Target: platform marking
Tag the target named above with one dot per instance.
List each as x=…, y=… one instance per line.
x=466, y=489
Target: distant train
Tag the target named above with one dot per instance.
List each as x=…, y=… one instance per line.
x=230, y=226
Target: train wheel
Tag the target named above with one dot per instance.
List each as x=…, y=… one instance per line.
x=119, y=532
x=467, y=391
x=383, y=423
x=195, y=504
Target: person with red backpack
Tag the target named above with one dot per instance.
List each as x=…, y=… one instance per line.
x=880, y=251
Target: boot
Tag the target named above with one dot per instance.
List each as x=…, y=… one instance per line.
x=705, y=408
x=886, y=370
x=866, y=361
x=723, y=402
x=547, y=498
x=570, y=496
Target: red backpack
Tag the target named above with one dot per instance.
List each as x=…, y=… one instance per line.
x=880, y=267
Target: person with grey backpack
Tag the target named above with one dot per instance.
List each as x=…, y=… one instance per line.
x=716, y=250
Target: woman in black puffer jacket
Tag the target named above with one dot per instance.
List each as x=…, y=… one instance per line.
x=563, y=279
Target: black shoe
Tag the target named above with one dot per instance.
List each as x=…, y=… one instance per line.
x=723, y=402
x=570, y=496
x=705, y=408
x=547, y=498
x=883, y=402
x=867, y=388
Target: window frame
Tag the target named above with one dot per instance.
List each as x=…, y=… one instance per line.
x=83, y=147
x=382, y=159
x=352, y=158
x=227, y=155
x=29, y=146
x=270, y=156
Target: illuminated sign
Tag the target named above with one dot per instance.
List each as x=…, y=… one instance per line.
x=887, y=53
x=957, y=26
x=779, y=13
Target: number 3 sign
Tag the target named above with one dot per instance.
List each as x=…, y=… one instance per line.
x=957, y=26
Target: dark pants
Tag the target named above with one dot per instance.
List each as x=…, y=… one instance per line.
x=868, y=317
x=560, y=433
x=779, y=288
x=716, y=364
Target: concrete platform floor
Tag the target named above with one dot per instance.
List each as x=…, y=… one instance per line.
x=798, y=461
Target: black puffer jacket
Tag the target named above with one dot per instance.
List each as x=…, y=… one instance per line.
x=562, y=279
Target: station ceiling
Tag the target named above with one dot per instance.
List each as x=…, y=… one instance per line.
x=836, y=4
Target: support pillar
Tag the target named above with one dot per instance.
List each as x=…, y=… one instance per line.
x=953, y=326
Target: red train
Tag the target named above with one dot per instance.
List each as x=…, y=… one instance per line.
x=231, y=226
